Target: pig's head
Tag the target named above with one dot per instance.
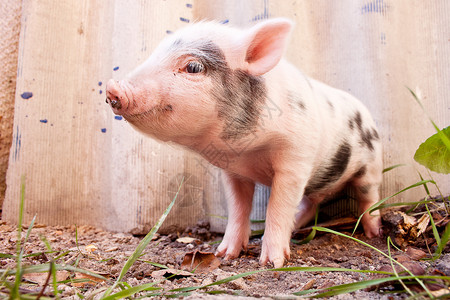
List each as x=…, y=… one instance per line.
x=206, y=79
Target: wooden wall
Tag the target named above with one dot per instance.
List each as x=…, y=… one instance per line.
x=85, y=166
x=10, y=13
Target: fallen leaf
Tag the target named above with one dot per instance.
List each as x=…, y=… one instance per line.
x=440, y=292
x=40, y=278
x=88, y=278
x=415, y=254
x=308, y=285
x=112, y=249
x=413, y=266
x=186, y=240
x=91, y=248
x=422, y=224
x=200, y=262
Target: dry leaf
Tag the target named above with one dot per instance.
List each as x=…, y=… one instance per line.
x=186, y=240
x=440, y=292
x=415, y=254
x=40, y=278
x=112, y=249
x=308, y=285
x=90, y=279
x=200, y=262
x=91, y=248
x=413, y=266
x=423, y=223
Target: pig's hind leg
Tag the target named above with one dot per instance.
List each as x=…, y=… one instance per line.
x=306, y=211
x=367, y=182
x=239, y=201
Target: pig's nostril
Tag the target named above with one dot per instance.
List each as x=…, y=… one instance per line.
x=116, y=104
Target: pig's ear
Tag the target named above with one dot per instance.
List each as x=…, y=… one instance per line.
x=265, y=44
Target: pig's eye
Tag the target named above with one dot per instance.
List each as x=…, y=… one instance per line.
x=194, y=67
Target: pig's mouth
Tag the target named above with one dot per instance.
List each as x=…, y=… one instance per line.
x=153, y=113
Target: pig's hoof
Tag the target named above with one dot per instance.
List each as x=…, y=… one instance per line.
x=228, y=252
x=232, y=244
x=276, y=256
x=372, y=227
x=277, y=262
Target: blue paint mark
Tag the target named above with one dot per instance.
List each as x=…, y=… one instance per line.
x=43, y=121
x=100, y=92
x=225, y=21
x=184, y=20
x=26, y=95
x=116, y=68
x=118, y=117
x=18, y=144
x=103, y=130
x=100, y=83
x=383, y=38
x=375, y=6
x=188, y=5
x=264, y=15
x=169, y=31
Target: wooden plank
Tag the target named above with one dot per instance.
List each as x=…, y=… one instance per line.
x=84, y=166
x=10, y=13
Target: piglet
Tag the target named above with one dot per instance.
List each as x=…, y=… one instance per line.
x=229, y=95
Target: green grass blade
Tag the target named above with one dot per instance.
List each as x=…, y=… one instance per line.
x=256, y=232
x=443, y=137
x=143, y=244
x=287, y=269
x=29, y=229
x=42, y=268
x=46, y=243
x=354, y=286
x=154, y=264
x=427, y=191
x=393, y=167
x=379, y=251
x=433, y=226
x=443, y=242
x=132, y=290
x=404, y=203
x=257, y=221
x=393, y=267
x=344, y=288
x=62, y=255
x=377, y=205
x=19, y=272
x=312, y=234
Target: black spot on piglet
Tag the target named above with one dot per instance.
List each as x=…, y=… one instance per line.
x=333, y=171
x=361, y=172
x=367, y=135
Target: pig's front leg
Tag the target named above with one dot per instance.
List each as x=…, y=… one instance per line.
x=239, y=201
x=281, y=209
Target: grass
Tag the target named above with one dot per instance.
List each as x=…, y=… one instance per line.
x=120, y=289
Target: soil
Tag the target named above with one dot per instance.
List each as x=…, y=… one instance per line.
x=106, y=252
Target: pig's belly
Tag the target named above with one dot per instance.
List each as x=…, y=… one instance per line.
x=255, y=167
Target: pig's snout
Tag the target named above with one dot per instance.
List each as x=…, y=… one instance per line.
x=116, y=96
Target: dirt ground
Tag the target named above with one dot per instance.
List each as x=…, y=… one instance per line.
x=106, y=252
